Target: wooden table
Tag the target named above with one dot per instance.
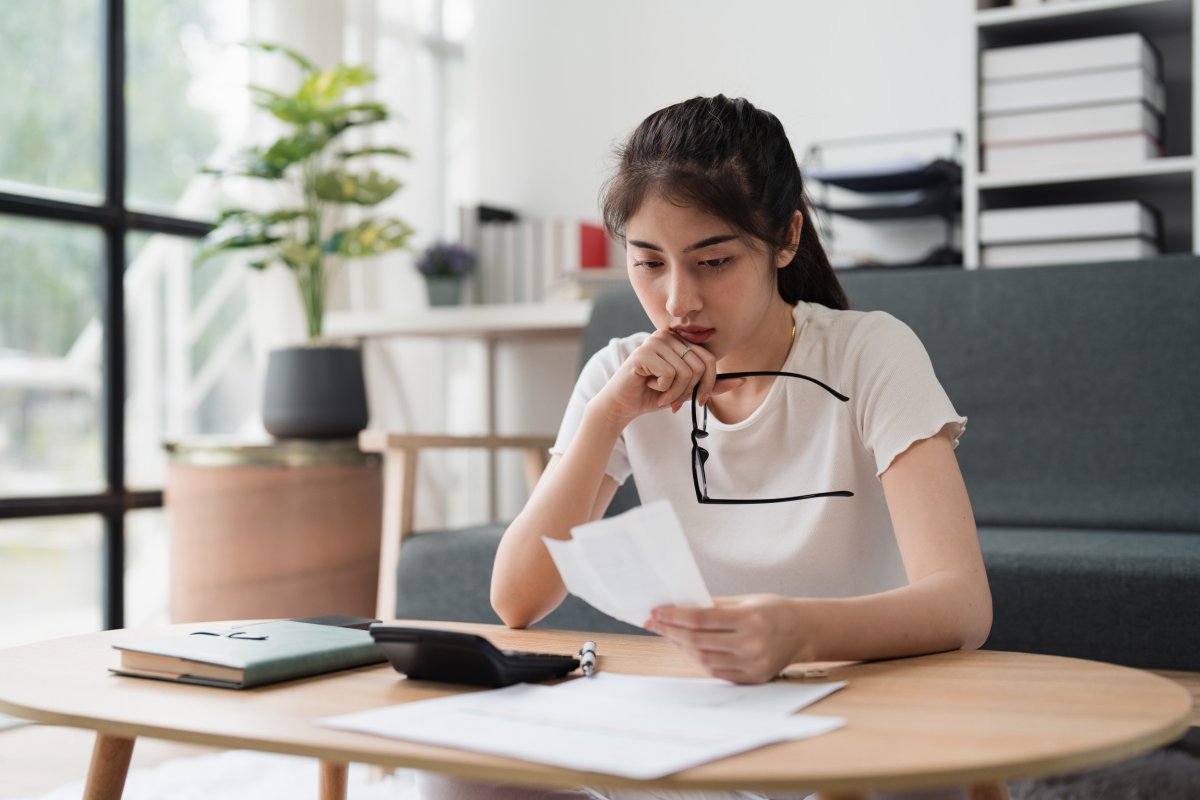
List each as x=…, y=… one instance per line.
x=963, y=718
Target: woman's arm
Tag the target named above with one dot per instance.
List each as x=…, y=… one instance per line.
x=574, y=488
x=947, y=604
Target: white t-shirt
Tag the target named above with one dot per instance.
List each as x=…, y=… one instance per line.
x=800, y=440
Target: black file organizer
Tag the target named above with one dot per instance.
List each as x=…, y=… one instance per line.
x=935, y=187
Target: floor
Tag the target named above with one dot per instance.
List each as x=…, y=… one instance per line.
x=36, y=758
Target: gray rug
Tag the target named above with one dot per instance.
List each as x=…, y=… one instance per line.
x=1172, y=773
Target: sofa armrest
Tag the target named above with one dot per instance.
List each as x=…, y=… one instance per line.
x=400, y=451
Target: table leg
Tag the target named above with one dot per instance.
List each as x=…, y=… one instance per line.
x=333, y=781
x=988, y=791
x=109, y=765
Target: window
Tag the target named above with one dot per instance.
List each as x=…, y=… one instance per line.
x=111, y=341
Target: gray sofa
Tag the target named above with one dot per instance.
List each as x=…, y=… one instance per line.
x=1082, y=454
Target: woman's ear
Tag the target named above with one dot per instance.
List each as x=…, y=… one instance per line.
x=788, y=252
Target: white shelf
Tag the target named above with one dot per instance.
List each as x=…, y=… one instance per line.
x=1176, y=165
x=1170, y=184
x=1119, y=10
x=482, y=321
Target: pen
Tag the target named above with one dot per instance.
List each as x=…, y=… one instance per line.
x=587, y=658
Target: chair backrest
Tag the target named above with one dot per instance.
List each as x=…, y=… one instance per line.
x=1080, y=383
x=616, y=313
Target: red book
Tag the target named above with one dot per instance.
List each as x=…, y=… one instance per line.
x=593, y=246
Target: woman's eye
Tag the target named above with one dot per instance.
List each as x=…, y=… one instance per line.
x=647, y=264
x=715, y=262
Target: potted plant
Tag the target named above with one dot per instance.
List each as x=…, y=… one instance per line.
x=444, y=266
x=317, y=389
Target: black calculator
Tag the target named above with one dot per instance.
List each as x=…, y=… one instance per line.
x=429, y=654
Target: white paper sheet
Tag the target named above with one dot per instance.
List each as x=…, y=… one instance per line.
x=631, y=563
x=584, y=731
x=779, y=698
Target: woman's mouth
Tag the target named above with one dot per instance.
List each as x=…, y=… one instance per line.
x=694, y=335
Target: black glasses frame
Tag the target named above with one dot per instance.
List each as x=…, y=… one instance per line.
x=700, y=455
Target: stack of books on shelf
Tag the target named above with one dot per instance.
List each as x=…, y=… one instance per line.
x=1019, y=237
x=533, y=260
x=1071, y=105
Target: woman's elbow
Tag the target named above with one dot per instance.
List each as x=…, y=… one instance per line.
x=977, y=625
x=509, y=612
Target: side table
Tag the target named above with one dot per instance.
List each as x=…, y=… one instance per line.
x=285, y=528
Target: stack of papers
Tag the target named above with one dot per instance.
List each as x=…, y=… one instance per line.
x=632, y=726
x=627, y=565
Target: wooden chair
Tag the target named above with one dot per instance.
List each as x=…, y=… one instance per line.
x=400, y=459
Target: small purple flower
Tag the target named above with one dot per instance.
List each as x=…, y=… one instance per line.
x=442, y=258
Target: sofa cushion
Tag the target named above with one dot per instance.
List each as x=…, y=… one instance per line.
x=1080, y=383
x=447, y=575
x=1127, y=597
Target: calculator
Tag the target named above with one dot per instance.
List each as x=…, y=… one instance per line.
x=430, y=654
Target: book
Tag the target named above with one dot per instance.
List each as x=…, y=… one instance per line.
x=1075, y=89
x=250, y=655
x=1067, y=154
x=1074, y=221
x=1070, y=252
x=1071, y=55
x=1037, y=127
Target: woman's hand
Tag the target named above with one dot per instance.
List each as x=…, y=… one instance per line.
x=660, y=373
x=744, y=639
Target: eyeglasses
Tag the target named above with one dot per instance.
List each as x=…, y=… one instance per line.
x=700, y=456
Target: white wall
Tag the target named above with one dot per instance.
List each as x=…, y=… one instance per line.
x=558, y=84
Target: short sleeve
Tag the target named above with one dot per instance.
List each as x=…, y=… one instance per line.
x=592, y=378
x=900, y=400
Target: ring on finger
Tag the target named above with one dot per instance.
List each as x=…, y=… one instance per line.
x=685, y=351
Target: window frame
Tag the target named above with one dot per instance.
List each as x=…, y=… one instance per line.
x=115, y=221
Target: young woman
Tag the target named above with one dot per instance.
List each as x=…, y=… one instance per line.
x=866, y=545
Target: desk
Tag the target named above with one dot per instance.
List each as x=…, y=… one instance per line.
x=486, y=324
x=949, y=719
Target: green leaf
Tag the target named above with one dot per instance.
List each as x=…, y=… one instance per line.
x=262, y=219
x=271, y=47
x=294, y=149
x=338, y=186
x=374, y=151
x=239, y=239
x=300, y=256
x=323, y=89
x=371, y=237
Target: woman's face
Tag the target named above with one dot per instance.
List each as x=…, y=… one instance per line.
x=706, y=281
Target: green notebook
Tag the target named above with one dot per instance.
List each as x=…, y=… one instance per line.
x=249, y=655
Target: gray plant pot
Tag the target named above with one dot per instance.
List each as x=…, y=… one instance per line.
x=315, y=393
x=444, y=290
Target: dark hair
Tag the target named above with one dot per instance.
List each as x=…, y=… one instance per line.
x=733, y=161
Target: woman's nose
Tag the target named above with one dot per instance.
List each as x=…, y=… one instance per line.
x=682, y=297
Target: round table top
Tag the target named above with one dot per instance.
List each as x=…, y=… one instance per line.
x=956, y=718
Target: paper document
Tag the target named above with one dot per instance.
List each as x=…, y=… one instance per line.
x=628, y=564
x=584, y=731
x=778, y=698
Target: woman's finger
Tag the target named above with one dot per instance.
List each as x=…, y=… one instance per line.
x=708, y=376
